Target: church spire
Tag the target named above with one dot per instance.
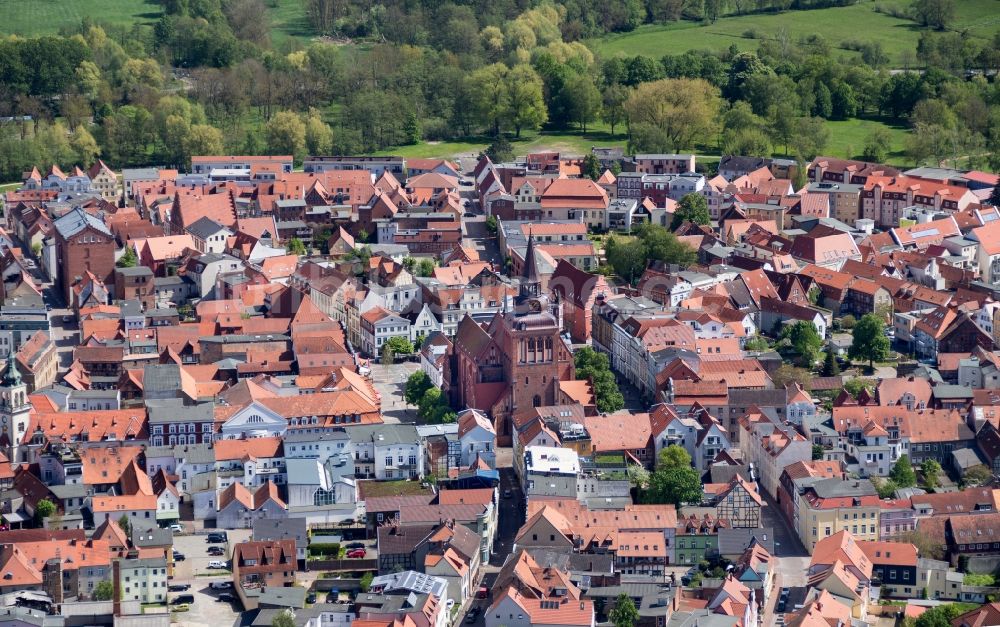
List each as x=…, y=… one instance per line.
x=531, y=283
x=12, y=376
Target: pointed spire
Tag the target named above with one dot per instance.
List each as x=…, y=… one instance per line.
x=12, y=376
x=530, y=281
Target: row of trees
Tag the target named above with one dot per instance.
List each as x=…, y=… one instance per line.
x=594, y=367
x=433, y=407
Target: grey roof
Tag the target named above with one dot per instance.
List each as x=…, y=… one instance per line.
x=279, y=597
x=69, y=490
x=290, y=202
x=204, y=227
x=832, y=488
x=151, y=536
x=77, y=220
x=240, y=338
x=131, y=308
x=574, y=562
x=135, y=271
x=291, y=224
x=735, y=541
x=740, y=397
x=303, y=435
x=411, y=581
x=174, y=410
x=164, y=281
x=385, y=434
x=140, y=174
x=427, y=431
x=965, y=458
x=194, y=453
x=265, y=617
x=149, y=562
x=270, y=529
x=948, y=391
x=654, y=598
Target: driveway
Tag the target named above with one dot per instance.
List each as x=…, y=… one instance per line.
x=65, y=335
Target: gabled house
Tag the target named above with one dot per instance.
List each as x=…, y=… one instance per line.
x=239, y=508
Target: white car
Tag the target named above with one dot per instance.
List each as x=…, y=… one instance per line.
x=220, y=585
x=217, y=564
x=177, y=528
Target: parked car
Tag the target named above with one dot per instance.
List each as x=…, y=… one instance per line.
x=180, y=607
x=177, y=528
x=227, y=597
x=471, y=616
x=354, y=545
x=217, y=537
x=217, y=564
x=506, y=494
x=221, y=585
x=468, y=214
x=178, y=556
x=182, y=598
x=311, y=597
x=450, y=604
x=179, y=587
x=356, y=553
x=216, y=550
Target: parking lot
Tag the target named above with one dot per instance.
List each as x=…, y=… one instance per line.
x=390, y=382
x=207, y=610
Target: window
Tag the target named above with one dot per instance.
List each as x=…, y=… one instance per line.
x=388, y=460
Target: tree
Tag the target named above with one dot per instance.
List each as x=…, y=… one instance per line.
x=283, y=618
x=639, y=477
x=525, y=104
x=84, y=145
x=805, y=341
x=675, y=485
x=128, y=258
x=594, y=367
x=869, y=341
x=591, y=167
x=500, y=151
x=830, y=366
x=757, y=343
x=627, y=258
x=388, y=357
x=286, y=134
x=809, y=136
x=625, y=614
x=976, y=476
x=104, y=591
x=937, y=14
x=902, y=472
x=416, y=386
x=787, y=373
x=295, y=247
x=926, y=545
x=125, y=525
x=202, y=139
x=492, y=225
x=995, y=196
x=692, y=208
x=886, y=488
x=930, y=469
x=584, y=100
x=877, y=146
x=744, y=66
x=613, y=109
x=673, y=456
x=366, y=581
x=940, y=616
x=855, y=385
x=44, y=509
x=672, y=114
x=817, y=451
x=319, y=135
x=424, y=268
x=399, y=345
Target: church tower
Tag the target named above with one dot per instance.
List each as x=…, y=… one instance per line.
x=14, y=410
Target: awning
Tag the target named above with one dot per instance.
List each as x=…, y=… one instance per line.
x=16, y=517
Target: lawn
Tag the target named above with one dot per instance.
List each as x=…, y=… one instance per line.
x=45, y=17
x=857, y=22
x=847, y=139
x=370, y=489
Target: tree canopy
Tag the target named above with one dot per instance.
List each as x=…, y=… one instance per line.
x=868, y=340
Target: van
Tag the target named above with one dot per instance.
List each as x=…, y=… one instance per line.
x=182, y=598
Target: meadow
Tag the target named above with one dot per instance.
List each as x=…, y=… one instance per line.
x=855, y=23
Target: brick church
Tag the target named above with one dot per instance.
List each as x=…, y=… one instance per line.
x=518, y=359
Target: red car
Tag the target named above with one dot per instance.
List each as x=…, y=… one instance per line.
x=355, y=553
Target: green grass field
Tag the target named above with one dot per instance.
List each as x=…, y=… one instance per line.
x=847, y=139
x=857, y=22
x=44, y=17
